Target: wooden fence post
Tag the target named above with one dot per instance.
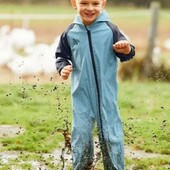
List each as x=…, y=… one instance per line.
x=148, y=66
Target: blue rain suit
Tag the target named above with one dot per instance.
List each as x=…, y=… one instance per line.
x=94, y=89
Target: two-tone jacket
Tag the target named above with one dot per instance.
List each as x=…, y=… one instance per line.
x=89, y=49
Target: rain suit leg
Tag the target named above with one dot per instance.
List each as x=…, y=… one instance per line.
x=110, y=137
x=82, y=140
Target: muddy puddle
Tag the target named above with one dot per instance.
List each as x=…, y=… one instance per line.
x=57, y=157
x=6, y=157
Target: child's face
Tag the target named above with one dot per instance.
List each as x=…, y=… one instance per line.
x=89, y=10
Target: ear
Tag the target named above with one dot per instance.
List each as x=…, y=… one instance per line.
x=73, y=2
x=104, y=3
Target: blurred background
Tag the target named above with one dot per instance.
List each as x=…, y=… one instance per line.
x=30, y=31
x=35, y=105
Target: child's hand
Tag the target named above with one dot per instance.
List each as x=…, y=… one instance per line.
x=65, y=72
x=122, y=46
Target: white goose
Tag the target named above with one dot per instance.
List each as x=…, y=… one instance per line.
x=6, y=51
x=22, y=38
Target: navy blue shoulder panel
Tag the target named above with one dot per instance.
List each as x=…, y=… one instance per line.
x=63, y=53
x=63, y=49
x=117, y=36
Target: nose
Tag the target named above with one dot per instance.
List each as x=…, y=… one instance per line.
x=90, y=7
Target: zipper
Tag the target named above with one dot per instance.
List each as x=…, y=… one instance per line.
x=106, y=156
x=96, y=81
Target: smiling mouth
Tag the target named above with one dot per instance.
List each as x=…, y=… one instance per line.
x=89, y=15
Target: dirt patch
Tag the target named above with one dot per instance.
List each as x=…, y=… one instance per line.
x=10, y=131
x=139, y=154
x=5, y=157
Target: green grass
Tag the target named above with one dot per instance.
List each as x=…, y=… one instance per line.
x=148, y=164
x=42, y=110
x=37, y=9
x=146, y=113
x=39, y=110
x=45, y=8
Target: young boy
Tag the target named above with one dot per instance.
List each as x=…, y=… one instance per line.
x=88, y=49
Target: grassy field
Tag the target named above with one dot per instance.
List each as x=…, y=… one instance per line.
x=44, y=109
x=39, y=110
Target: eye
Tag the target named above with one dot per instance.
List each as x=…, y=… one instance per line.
x=83, y=3
x=96, y=3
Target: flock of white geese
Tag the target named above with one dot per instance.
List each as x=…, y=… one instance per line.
x=23, y=56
